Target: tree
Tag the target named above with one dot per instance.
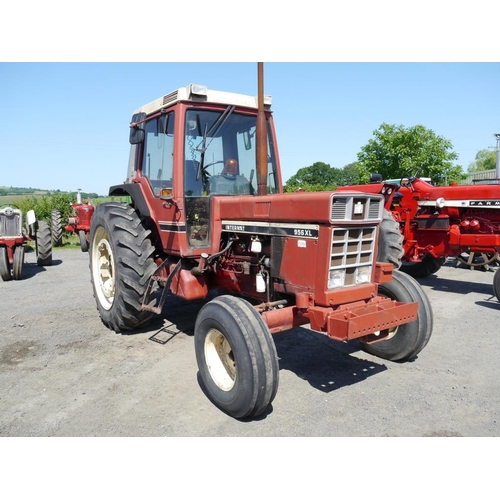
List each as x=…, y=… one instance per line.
x=317, y=177
x=352, y=174
x=485, y=160
x=397, y=152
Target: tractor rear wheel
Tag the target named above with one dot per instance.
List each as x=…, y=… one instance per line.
x=121, y=260
x=428, y=265
x=496, y=283
x=404, y=341
x=236, y=355
x=390, y=246
x=84, y=244
x=17, y=267
x=43, y=244
x=56, y=228
x=5, y=265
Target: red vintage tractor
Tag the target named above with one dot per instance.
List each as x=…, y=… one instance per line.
x=78, y=222
x=207, y=213
x=15, y=236
x=437, y=222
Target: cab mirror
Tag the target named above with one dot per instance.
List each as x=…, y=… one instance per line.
x=137, y=128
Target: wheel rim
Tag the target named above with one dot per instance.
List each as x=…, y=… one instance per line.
x=103, y=268
x=220, y=360
x=484, y=259
x=391, y=333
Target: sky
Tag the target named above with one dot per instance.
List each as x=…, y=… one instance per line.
x=66, y=125
x=68, y=95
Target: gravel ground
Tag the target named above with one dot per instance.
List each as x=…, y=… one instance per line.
x=62, y=373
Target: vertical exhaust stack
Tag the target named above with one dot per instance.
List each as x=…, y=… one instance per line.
x=497, y=170
x=261, y=133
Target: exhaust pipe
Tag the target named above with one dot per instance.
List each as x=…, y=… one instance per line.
x=498, y=157
x=261, y=133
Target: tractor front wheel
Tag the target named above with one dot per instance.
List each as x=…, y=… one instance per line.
x=17, y=267
x=407, y=340
x=5, y=265
x=121, y=260
x=236, y=355
x=84, y=244
x=496, y=283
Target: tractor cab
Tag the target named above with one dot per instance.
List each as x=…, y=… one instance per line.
x=187, y=147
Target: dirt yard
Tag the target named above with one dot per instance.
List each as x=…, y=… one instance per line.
x=62, y=373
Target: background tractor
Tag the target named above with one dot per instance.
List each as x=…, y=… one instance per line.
x=207, y=214
x=437, y=222
x=14, y=238
x=78, y=222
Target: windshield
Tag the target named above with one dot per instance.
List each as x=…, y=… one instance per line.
x=219, y=154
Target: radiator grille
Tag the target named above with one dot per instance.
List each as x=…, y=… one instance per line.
x=10, y=223
x=352, y=256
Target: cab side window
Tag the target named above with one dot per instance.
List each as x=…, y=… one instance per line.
x=157, y=162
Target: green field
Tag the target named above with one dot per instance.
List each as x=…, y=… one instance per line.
x=15, y=199
x=12, y=199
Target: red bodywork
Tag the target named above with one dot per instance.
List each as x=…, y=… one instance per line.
x=442, y=221
x=81, y=217
x=344, y=314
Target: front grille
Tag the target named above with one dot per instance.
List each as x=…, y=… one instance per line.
x=352, y=256
x=356, y=207
x=431, y=222
x=10, y=223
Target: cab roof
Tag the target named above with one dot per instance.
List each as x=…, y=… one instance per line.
x=200, y=93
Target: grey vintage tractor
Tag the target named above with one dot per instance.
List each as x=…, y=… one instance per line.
x=14, y=238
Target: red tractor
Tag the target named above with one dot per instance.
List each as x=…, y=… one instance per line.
x=14, y=237
x=78, y=222
x=207, y=213
x=437, y=222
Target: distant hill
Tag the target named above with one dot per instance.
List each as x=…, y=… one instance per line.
x=20, y=191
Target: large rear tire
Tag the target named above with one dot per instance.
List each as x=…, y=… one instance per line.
x=56, y=228
x=496, y=283
x=390, y=246
x=429, y=265
x=5, y=265
x=17, y=267
x=236, y=355
x=121, y=262
x=405, y=341
x=43, y=244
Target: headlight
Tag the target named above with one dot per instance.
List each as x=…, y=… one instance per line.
x=336, y=278
x=363, y=275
